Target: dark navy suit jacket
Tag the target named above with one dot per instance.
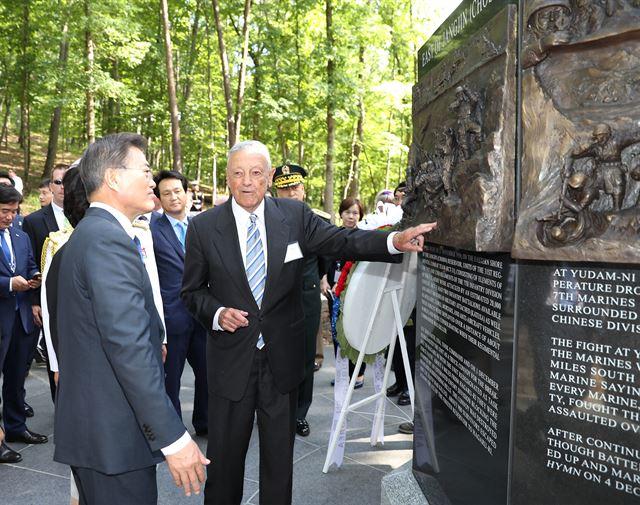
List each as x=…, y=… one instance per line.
x=27, y=268
x=110, y=355
x=170, y=262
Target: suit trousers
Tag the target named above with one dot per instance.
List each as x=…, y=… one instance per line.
x=230, y=427
x=190, y=346
x=14, y=371
x=138, y=487
x=32, y=354
x=398, y=363
x=312, y=308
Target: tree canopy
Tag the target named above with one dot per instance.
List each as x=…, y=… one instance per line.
x=103, y=66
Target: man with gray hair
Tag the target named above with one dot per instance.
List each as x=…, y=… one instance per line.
x=243, y=280
x=110, y=357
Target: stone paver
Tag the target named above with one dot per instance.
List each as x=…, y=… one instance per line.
x=38, y=480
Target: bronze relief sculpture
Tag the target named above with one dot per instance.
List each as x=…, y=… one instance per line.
x=461, y=164
x=581, y=131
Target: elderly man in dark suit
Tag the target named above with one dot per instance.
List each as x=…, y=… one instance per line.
x=243, y=279
x=186, y=337
x=110, y=343
x=19, y=275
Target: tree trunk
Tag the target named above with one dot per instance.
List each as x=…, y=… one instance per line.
x=199, y=165
x=352, y=188
x=26, y=149
x=113, y=104
x=299, y=103
x=210, y=102
x=257, y=91
x=25, y=75
x=4, y=134
x=243, y=69
x=188, y=79
x=171, y=83
x=89, y=63
x=331, y=106
x=226, y=79
x=54, y=128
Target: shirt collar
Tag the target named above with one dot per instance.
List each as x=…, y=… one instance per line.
x=175, y=221
x=120, y=217
x=242, y=216
x=56, y=208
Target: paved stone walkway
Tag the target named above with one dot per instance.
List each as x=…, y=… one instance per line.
x=38, y=480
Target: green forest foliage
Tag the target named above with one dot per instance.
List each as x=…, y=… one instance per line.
x=285, y=103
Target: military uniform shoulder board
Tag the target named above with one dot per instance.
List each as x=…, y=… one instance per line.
x=322, y=214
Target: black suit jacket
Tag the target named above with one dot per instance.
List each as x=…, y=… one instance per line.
x=214, y=277
x=38, y=225
x=112, y=411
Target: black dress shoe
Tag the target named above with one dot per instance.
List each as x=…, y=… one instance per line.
x=8, y=455
x=27, y=437
x=404, y=398
x=28, y=410
x=406, y=428
x=394, y=390
x=302, y=427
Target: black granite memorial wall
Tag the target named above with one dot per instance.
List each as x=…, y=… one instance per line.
x=578, y=388
x=528, y=372
x=463, y=376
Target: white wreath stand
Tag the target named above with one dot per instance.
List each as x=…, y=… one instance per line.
x=392, y=294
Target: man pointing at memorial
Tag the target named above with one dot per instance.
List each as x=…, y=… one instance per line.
x=243, y=280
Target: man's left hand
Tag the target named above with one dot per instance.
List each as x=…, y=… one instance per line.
x=412, y=239
x=36, y=310
x=35, y=282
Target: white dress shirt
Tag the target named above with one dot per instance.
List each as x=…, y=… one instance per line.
x=184, y=440
x=175, y=223
x=58, y=213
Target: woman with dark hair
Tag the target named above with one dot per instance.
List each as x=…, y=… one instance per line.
x=351, y=212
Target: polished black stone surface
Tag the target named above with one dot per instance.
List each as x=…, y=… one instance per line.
x=463, y=376
x=577, y=423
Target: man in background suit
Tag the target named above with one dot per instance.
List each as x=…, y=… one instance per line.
x=18, y=275
x=38, y=225
x=110, y=343
x=243, y=279
x=6, y=180
x=49, y=218
x=186, y=338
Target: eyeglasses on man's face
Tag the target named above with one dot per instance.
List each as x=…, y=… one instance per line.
x=57, y=182
x=146, y=170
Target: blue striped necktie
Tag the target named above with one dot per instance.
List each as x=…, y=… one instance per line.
x=182, y=232
x=255, y=266
x=7, y=251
